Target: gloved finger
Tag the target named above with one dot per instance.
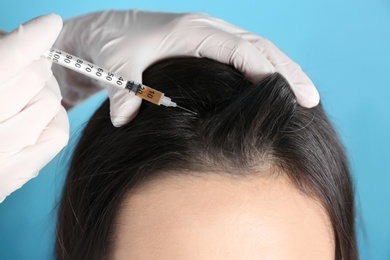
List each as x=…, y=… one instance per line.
x=210, y=21
x=222, y=46
x=53, y=138
x=17, y=92
x=33, y=118
x=124, y=106
x=27, y=43
x=304, y=89
x=216, y=39
x=238, y=53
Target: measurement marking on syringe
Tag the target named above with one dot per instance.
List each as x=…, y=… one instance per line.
x=93, y=71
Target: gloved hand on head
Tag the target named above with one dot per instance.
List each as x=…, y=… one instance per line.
x=33, y=125
x=127, y=42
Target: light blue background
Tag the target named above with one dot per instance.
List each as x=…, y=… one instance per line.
x=342, y=45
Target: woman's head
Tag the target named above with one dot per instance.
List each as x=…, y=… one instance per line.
x=252, y=174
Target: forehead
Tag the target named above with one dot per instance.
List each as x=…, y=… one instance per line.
x=217, y=217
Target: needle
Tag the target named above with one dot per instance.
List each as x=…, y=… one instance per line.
x=185, y=109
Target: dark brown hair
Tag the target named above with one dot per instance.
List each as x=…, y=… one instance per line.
x=238, y=127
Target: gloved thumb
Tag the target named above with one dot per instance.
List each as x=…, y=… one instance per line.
x=124, y=105
x=26, y=44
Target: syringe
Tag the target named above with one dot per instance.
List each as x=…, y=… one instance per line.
x=93, y=71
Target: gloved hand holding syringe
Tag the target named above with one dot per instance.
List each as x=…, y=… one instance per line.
x=93, y=71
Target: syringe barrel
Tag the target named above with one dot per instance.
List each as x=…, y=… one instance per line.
x=93, y=71
x=84, y=67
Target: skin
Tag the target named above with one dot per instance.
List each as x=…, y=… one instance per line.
x=216, y=216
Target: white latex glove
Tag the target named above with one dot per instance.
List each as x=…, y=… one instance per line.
x=33, y=125
x=127, y=42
